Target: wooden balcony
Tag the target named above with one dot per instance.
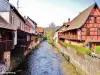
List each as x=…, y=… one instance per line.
x=62, y=36
x=71, y=37
x=6, y=45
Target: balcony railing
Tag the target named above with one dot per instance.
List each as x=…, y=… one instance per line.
x=72, y=37
x=6, y=45
x=62, y=36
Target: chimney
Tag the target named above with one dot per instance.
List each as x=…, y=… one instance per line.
x=24, y=17
x=68, y=20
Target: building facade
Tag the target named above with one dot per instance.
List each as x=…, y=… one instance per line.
x=84, y=28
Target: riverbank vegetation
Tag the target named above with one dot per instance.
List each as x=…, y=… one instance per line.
x=50, y=34
x=78, y=48
x=97, y=49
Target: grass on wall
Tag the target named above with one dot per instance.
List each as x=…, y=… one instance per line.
x=97, y=49
x=79, y=48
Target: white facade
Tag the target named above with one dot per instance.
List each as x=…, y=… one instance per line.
x=6, y=16
x=55, y=36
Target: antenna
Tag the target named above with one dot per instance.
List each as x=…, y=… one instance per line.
x=17, y=4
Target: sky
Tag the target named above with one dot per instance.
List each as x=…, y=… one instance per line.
x=43, y=12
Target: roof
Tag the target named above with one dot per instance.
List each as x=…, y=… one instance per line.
x=16, y=11
x=4, y=24
x=28, y=23
x=40, y=29
x=4, y=6
x=63, y=27
x=7, y=6
x=32, y=21
x=79, y=20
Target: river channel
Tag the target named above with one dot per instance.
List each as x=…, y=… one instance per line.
x=44, y=60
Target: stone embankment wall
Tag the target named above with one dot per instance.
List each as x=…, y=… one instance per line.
x=88, y=64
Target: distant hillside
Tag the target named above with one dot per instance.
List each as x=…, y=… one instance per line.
x=49, y=28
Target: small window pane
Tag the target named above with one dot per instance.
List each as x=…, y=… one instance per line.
x=88, y=31
x=98, y=31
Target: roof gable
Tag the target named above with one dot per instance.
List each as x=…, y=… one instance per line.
x=40, y=29
x=79, y=20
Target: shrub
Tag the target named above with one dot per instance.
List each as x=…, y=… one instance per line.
x=44, y=38
x=97, y=49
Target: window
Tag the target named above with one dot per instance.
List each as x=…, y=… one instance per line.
x=88, y=31
x=23, y=26
x=20, y=24
x=12, y=19
x=95, y=20
x=91, y=19
x=98, y=19
x=98, y=31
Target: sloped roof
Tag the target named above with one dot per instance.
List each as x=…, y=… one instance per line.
x=62, y=28
x=6, y=5
x=79, y=20
x=40, y=29
x=32, y=21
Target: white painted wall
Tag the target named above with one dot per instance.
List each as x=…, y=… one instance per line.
x=28, y=38
x=6, y=16
x=34, y=29
x=55, y=36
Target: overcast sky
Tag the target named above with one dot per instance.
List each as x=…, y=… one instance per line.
x=46, y=11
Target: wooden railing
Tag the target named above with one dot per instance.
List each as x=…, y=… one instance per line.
x=72, y=37
x=6, y=45
x=62, y=36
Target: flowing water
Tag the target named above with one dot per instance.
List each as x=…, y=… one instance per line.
x=42, y=61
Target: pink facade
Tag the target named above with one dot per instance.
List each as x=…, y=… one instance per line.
x=91, y=30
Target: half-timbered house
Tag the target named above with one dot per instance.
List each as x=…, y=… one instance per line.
x=85, y=27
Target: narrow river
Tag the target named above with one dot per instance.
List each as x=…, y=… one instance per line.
x=43, y=61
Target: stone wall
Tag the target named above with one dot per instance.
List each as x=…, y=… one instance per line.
x=88, y=64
